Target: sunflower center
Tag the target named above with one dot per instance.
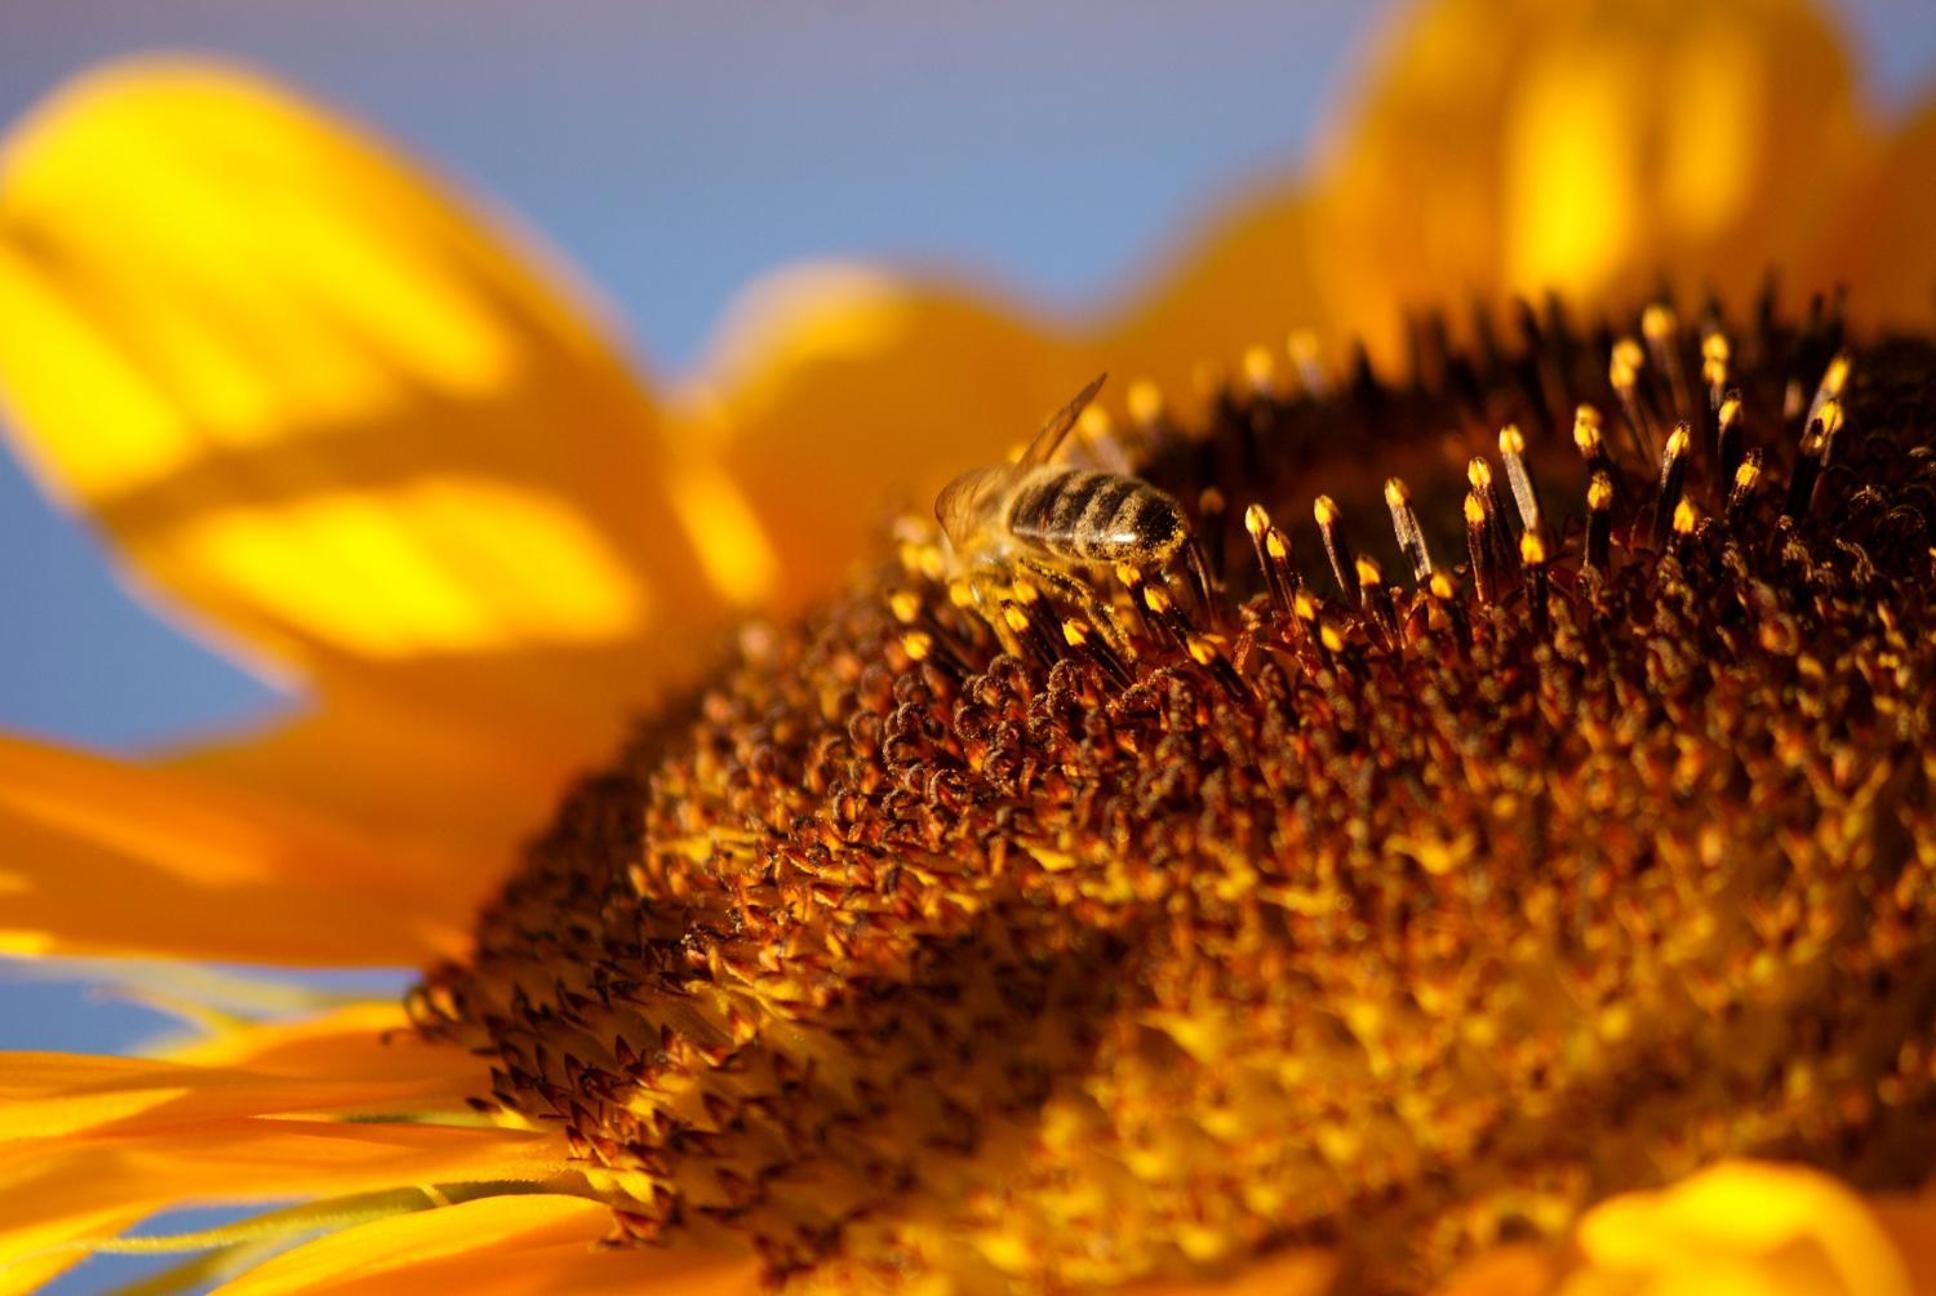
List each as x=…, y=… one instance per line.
x=1396, y=890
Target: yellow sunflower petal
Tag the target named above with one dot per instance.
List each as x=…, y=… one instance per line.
x=1588, y=147
x=1753, y=1228
x=1880, y=244
x=55, y=1192
x=516, y=1244
x=99, y=857
x=312, y=398
x=448, y=798
x=358, y=1059
x=1249, y=281
x=850, y=394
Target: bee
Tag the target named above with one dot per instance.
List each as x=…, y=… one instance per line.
x=1046, y=518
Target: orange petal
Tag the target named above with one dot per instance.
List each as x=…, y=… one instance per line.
x=101, y=857
x=338, y=417
x=1249, y=280
x=851, y=395
x=1746, y=1227
x=54, y=1192
x=1880, y=244
x=496, y=1245
x=1538, y=144
x=1910, y=1221
x=362, y=1059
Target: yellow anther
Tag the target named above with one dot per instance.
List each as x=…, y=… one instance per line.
x=1303, y=606
x=1325, y=509
x=905, y=604
x=1599, y=492
x=1260, y=368
x=1276, y=545
x=1657, y=322
x=1677, y=441
x=1836, y=377
x=1328, y=633
x=1746, y=475
x=1479, y=473
x=1475, y=512
x=1510, y=440
x=1730, y=412
x=1685, y=516
x=1395, y=493
x=1830, y=415
x=1441, y=585
x=917, y=644
x=1156, y=599
x=1369, y=572
x=1016, y=618
x=1145, y=400
x=1532, y=549
x=1202, y=651
x=1075, y=633
x=1256, y=521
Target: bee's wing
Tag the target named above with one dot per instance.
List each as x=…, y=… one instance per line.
x=1044, y=446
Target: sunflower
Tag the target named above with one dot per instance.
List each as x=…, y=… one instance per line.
x=1288, y=924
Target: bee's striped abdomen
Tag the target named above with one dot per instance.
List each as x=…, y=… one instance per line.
x=1096, y=516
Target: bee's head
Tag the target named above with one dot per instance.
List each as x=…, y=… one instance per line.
x=967, y=503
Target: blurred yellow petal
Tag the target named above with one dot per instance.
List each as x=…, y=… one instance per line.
x=1752, y=1228
x=1249, y=280
x=1881, y=245
x=54, y=1192
x=1910, y=1221
x=363, y=1058
x=495, y=1245
x=99, y=857
x=849, y=394
x=1534, y=144
x=338, y=417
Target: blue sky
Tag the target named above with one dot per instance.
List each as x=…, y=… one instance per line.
x=676, y=150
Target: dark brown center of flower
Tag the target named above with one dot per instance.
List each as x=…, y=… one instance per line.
x=1418, y=887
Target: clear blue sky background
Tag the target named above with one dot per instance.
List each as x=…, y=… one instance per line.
x=677, y=149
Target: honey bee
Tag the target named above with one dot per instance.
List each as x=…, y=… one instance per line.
x=1046, y=518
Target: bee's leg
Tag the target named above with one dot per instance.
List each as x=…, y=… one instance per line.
x=1190, y=569
x=1083, y=595
x=990, y=582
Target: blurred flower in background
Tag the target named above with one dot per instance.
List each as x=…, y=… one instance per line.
x=376, y=445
